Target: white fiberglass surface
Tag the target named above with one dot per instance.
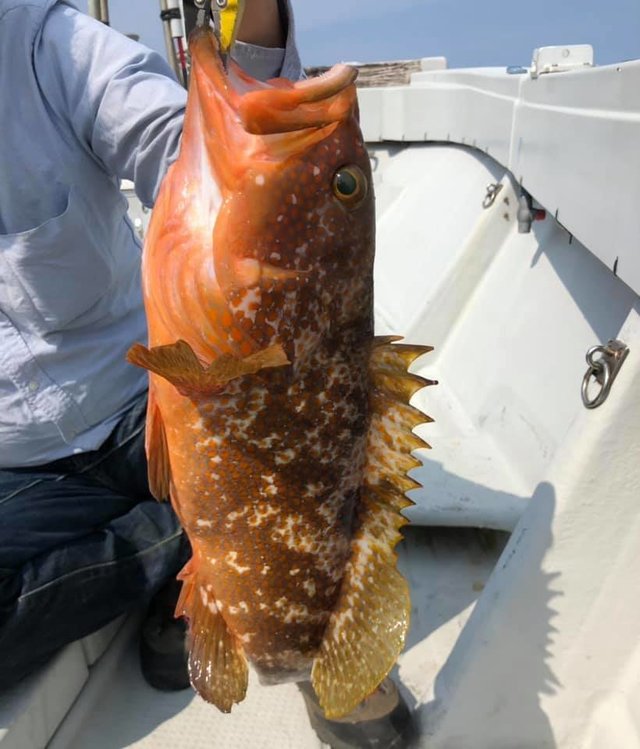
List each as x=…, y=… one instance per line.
x=447, y=570
x=511, y=317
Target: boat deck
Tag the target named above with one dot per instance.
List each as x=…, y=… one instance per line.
x=447, y=570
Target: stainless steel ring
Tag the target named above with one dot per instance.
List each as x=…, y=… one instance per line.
x=601, y=372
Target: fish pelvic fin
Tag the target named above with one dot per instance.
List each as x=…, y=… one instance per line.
x=367, y=629
x=178, y=363
x=217, y=665
x=158, y=466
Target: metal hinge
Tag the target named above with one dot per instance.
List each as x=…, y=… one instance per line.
x=561, y=59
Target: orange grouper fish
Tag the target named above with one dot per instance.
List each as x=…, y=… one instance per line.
x=277, y=424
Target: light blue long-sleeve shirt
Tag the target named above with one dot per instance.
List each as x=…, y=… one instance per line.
x=82, y=107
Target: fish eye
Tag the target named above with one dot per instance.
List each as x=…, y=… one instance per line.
x=350, y=185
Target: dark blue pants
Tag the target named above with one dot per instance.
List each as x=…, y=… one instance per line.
x=82, y=541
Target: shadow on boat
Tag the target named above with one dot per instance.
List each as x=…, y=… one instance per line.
x=489, y=692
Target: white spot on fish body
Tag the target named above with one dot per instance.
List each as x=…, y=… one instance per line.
x=249, y=303
x=294, y=199
x=294, y=572
x=204, y=523
x=231, y=558
x=280, y=218
x=265, y=569
x=316, y=171
x=267, y=442
x=233, y=516
x=310, y=587
x=260, y=180
x=296, y=613
x=285, y=457
x=261, y=512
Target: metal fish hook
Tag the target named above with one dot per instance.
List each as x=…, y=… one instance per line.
x=204, y=13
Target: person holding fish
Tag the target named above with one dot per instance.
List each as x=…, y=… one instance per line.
x=82, y=538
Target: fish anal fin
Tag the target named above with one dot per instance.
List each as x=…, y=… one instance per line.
x=178, y=363
x=158, y=469
x=217, y=665
x=367, y=629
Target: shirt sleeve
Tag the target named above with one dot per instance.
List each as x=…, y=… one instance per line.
x=121, y=99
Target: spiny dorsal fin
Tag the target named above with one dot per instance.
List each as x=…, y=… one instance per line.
x=366, y=631
x=217, y=664
x=391, y=440
x=178, y=364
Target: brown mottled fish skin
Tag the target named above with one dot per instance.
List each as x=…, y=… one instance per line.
x=269, y=493
x=266, y=469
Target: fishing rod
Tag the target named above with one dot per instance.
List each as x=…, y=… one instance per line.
x=99, y=9
x=172, y=16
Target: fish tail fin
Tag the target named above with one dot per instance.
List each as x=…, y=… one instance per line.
x=178, y=363
x=217, y=664
x=366, y=631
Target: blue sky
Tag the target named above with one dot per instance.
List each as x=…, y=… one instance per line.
x=466, y=32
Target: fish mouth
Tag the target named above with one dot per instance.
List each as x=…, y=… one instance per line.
x=277, y=106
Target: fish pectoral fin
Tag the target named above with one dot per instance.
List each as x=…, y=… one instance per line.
x=366, y=631
x=158, y=466
x=178, y=363
x=217, y=665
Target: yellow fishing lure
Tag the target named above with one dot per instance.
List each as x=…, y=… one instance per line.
x=230, y=16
